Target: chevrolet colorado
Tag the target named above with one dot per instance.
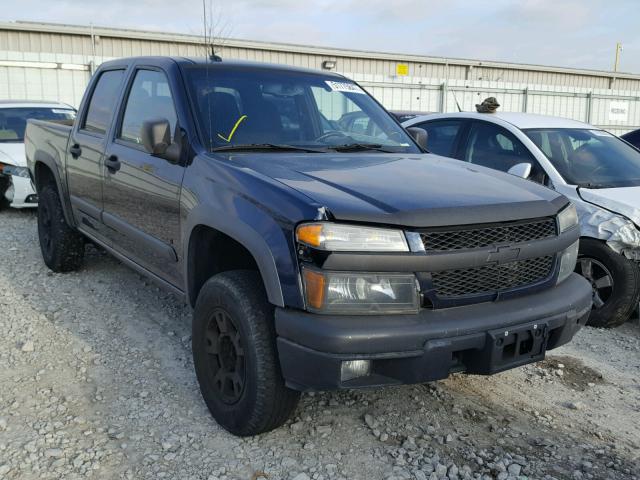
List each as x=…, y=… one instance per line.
x=318, y=250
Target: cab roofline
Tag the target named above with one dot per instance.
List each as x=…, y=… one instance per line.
x=223, y=63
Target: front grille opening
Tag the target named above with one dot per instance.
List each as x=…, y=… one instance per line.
x=484, y=236
x=492, y=278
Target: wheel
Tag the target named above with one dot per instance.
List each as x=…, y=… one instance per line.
x=235, y=357
x=615, y=281
x=4, y=185
x=62, y=247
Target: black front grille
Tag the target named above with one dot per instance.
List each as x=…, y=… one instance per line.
x=480, y=237
x=492, y=278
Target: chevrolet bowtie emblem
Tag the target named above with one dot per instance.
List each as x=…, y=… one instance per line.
x=503, y=255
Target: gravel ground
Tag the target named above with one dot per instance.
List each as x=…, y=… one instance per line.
x=96, y=380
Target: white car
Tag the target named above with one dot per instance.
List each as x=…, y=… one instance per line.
x=15, y=183
x=597, y=171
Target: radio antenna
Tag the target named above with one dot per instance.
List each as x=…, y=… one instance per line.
x=456, y=100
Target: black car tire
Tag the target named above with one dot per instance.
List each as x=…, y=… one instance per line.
x=615, y=303
x=235, y=356
x=4, y=185
x=62, y=247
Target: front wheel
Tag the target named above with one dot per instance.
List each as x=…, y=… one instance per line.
x=235, y=357
x=615, y=281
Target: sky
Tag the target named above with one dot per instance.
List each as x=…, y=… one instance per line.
x=566, y=33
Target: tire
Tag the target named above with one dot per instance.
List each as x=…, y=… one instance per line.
x=615, y=281
x=235, y=356
x=62, y=247
x=4, y=185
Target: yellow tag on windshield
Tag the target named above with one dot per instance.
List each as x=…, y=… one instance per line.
x=233, y=130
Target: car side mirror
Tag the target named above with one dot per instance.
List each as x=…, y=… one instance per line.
x=420, y=135
x=156, y=138
x=522, y=170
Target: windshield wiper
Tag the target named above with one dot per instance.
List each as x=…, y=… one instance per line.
x=357, y=147
x=267, y=146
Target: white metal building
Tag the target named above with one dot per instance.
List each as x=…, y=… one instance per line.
x=54, y=62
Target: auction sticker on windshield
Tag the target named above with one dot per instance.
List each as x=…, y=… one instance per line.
x=346, y=87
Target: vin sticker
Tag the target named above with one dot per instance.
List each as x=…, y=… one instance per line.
x=346, y=87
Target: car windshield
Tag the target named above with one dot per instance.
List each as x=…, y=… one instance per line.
x=589, y=158
x=13, y=121
x=245, y=107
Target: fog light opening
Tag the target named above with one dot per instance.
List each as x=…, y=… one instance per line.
x=354, y=369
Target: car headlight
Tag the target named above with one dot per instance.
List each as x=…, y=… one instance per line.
x=357, y=293
x=567, y=218
x=568, y=259
x=337, y=237
x=16, y=171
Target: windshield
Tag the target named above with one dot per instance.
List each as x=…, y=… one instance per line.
x=13, y=121
x=238, y=107
x=589, y=158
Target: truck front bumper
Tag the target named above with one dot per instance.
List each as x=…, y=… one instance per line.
x=481, y=339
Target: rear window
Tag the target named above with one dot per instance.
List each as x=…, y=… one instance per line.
x=103, y=101
x=13, y=121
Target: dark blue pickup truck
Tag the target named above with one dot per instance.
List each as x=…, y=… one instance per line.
x=318, y=243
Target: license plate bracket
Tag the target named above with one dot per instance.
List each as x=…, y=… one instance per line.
x=509, y=348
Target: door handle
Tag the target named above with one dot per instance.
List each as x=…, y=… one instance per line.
x=112, y=163
x=75, y=150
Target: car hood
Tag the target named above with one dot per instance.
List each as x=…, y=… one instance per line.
x=13, y=154
x=623, y=200
x=411, y=190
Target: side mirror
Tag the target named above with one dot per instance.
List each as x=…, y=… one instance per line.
x=420, y=135
x=522, y=170
x=156, y=135
x=156, y=138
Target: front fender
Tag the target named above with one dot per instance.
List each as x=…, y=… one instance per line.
x=265, y=240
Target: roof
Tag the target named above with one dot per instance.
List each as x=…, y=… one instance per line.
x=519, y=120
x=296, y=48
x=34, y=103
x=222, y=64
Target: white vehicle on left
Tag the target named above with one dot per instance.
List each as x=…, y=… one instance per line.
x=15, y=183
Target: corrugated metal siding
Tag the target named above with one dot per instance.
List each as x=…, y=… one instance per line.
x=432, y=84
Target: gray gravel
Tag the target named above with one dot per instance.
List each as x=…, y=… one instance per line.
x=96, y=380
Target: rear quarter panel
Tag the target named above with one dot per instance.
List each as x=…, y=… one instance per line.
x=47, y=142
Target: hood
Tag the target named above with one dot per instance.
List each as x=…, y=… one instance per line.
x=13, y=154
x=411, y=190
x=624, y=200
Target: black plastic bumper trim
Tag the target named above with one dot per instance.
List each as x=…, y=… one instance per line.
x=397, y=333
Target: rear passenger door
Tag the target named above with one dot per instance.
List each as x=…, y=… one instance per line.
x=444, y=135
x=86, y=149
x=142, y=191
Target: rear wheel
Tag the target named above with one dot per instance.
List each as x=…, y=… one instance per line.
x=62, y=247
x=235, y=356
x=615, y=281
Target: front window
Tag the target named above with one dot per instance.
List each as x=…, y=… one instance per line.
x=13, y=121
x=240, y=106
x=589, y=158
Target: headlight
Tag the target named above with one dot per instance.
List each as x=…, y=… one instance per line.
x=567, y=218
x=568, y=259
x=16, y=171
x=336, y=237
x=358, y=293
